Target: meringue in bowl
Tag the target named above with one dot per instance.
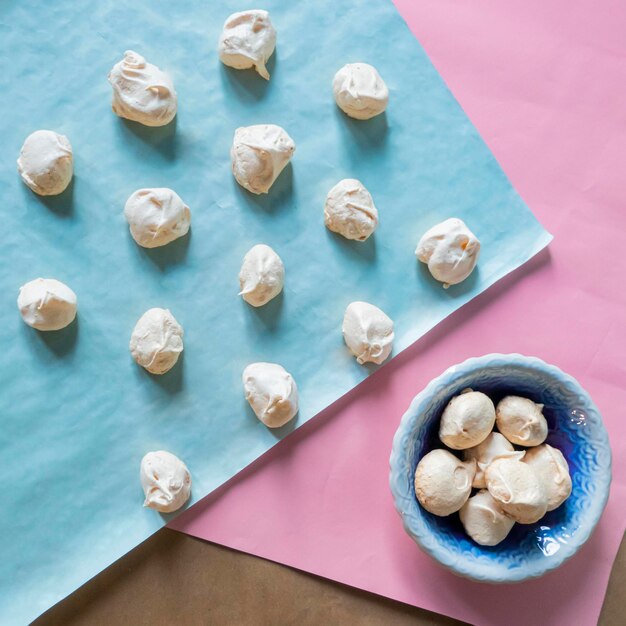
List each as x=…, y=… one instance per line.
x=574, y=427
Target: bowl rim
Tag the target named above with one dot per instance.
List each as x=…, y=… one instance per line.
x=404, y=501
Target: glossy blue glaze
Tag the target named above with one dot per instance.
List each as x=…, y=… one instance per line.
x=575, y=428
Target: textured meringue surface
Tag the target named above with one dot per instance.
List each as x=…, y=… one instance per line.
x=165, y=480
x=368, y=332
x=82, y=239
x=261, y=276
x=359, y=91
x=349, y=210
x=46, y=304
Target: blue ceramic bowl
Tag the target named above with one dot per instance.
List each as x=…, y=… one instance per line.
x=575, y=428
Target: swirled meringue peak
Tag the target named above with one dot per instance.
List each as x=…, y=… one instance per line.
x=262, y=275
x=156, y=216
x=368, y=332
x=271, y=392
x=467, y=420
x=165, y=480
x=359, y=91
x=259, y=154
x=484, y=520
x=47, y=304
x=521, y=421
x=142, y=92
x=493, y=446
x=248, y=40
x=46, y=162
x=450, y=249
x=350, y=210
x=553, y=471
x=157, y=341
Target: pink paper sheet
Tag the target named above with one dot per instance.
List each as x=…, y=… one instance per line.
x=545, y=83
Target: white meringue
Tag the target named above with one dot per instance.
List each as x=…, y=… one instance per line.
x=350, y=210
x=259, y=154
x=248, y=40
x=368, y=332
x=521, y=421
x=165, y=480
x=142, y=92
x=46, y=163
x=47, y=304
x=467, y=420
x=553, y=471
x=156, y=216
x=442, y=482
x=359, y=91
x=517, y=488
x=271, y=392
x=484, y=520
x=450, y=250
x=493, y=446
x=262, y=275
x=156, y=341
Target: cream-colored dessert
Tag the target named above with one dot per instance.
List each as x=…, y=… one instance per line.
x=517, y=488
x=271, y=392
x=142, y=92
x=467, y=420
x=553, y=471
x=359, y=91
x=262, y=275
x=484, y=520
x=46, y=304
x=368, y=332
x=493, y=446
x=349, y=210
x=443, y=483
x=165, y=480
x=248, y=40
x=46, y=163
x=521, y=421
x=156, y=216
x=259, y=154
x=450, y=249
x=157, y=341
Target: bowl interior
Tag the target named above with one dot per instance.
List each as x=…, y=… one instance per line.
x=575, y=428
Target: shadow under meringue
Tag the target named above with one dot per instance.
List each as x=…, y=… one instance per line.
x=369, y=134
x=59, y=343
x=164, y=257
x=279, y=197
x=172, y=382
x=363, y=251
x=248, y=85
x=163, y=139
x=62, y=204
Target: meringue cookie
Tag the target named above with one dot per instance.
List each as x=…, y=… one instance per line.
x=142, y=92
x=262, y=275
x=271, y=392
x=350, y=210
x=484, y=520
x=259, y=154
x=521, y=421
x=359, y=91
x=157, y=341
x=442, y=482
x=368, y=332
x=248, y=40
x=450, y=249
x=156, y=216
x=517, y=488
x=553, y=471
x=467, y=420
x=47, y=304
x=495, y=445
x=46, y=163
x=165, y=480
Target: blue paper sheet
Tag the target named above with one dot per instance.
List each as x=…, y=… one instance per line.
x=77, y=413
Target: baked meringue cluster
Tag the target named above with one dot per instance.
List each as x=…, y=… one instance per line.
x=450, y=249
x=512, y=485
x=259, y=154
x=156, y=341
x=262, y=275
x=142, y=92
x=368, y=332
x=359, y=91
x=156, y=216
x=349, y=210
x=271, y=392
x=165, y=480
x=46, y=162
x=248, y=40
